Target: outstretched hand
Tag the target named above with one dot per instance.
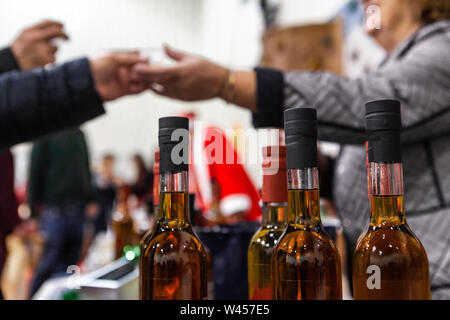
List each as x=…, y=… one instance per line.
x=192, y=78
x=114, y=75
x=34, y=46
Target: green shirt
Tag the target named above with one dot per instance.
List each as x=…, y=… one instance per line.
x=59, y=170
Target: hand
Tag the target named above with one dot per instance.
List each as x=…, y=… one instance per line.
x=193, y=78
x=34, y=46
x=114, y=76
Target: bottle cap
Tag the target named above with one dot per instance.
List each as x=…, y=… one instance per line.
x=173, y=144
x=383, y=127
x=274, y=187
x=301, y=137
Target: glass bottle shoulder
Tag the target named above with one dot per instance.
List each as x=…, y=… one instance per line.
x=301, y=240
x=266, y=236
x=164, y=241
x=389, y=239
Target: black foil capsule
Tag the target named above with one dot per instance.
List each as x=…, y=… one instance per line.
x=383, y=127
x=173, y=138
x=300, y=125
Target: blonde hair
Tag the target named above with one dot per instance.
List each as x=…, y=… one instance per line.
x=430, y=11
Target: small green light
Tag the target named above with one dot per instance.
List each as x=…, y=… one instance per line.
x=130, y=256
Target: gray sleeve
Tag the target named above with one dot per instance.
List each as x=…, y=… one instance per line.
x=420, y=80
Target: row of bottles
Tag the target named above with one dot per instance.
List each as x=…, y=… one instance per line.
x=389, y=262
x=291, y=257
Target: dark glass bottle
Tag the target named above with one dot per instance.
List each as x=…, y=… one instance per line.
x=122, y=223
x=389, y=261
x=175, y=260
x=306, y=264
x=260, y=250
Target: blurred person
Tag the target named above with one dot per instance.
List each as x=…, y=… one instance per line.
x=60, y=189
x=416, y=37
x=143, y=185
x=31, y=48
x=105, y=185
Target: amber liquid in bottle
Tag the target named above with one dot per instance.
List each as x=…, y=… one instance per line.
x=389, y=262
x=306, y=264
x=261, y=249
x=143, y=286
x=123, y=229
x=174, y=265
x=262, y=245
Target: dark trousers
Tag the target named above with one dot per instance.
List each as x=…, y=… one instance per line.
x=62, y=228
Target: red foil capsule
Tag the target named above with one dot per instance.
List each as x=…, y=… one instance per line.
x=274, y=174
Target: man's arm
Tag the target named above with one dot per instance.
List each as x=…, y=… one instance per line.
x=7, y=61
x=39, y=102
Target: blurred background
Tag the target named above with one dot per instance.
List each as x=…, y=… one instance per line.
x=236, y=33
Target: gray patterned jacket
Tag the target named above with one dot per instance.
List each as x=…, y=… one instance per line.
x=418, y=74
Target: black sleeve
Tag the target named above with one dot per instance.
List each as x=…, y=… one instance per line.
x=269, y=98
x=7, y=61
x=41, y=101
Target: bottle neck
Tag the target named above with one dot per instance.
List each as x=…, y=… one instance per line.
x=156, y=193
x=174, y=199
x=274, y=213
x=386, y=193
x=303, y=197
x=156, y=188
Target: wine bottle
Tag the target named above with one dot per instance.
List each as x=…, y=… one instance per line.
x=389, y=261
x=305, y=263
x=143, y=287
x=175, y=260
x=262, y=244
x=122, y=223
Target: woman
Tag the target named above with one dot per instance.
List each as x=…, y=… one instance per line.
x=143, y=186
x=416, y=36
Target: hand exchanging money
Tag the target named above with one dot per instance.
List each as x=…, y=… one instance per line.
x=114, y=74
x=192, y=78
